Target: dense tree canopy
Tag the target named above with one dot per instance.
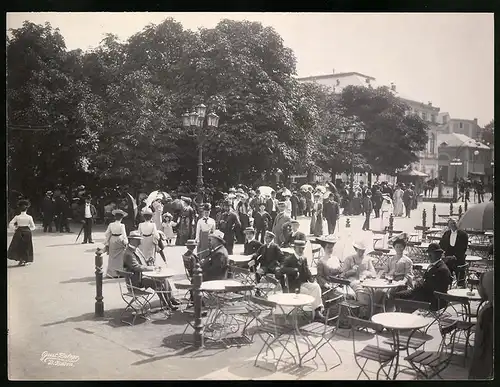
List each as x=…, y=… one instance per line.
x=113, y=114
x=487, y=134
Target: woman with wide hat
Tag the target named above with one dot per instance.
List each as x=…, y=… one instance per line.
x=328, y=265
x=21, y=246
x=115, y=243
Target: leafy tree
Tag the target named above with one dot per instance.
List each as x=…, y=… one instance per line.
x=487, y=134
x=393, y=137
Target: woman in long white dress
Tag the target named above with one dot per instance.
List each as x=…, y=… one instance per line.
x=115, y=243
x=398, y=202
x=150, y=236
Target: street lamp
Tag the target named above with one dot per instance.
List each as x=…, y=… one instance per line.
x=197, y=121
x=476, y=153
x=354, y=135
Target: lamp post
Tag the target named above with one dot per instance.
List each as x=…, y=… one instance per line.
x=354, y=135
x=200, y=122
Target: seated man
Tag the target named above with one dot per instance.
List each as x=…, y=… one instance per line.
x=251, y=244
x=135, y=262
x=436, y=278
x=299, y=278
x=189, y=257
x=267, y=258
x=215, y=265
x=293, y=233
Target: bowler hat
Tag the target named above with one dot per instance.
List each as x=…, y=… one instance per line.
x=434, y=248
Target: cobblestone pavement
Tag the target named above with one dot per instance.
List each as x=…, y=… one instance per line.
x=51, y=309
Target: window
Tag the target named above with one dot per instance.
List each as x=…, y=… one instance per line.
x=432, y=143
x=461, y=125
x=433, y=118
x=445, y=119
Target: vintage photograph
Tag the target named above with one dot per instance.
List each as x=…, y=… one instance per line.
x=250, y=196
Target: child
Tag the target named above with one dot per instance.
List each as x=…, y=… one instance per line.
x=168, y=227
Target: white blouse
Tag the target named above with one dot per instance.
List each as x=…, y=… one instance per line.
x=22, y=220
x=115, y=228
x=148, y=229
x=208, y=226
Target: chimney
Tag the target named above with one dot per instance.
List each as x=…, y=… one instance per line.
x=393, y=86
x=475, y=121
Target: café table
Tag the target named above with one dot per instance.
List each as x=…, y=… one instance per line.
x=473, y=258
x=466, y=293
x=489, y=233
x=160, y=275
x=374, y=284
x=239, y=258
x=295, y=301
x=396, y=322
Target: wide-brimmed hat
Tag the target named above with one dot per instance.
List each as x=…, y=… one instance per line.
x=167, y=214
x=135, y=235
x=147, y=211
x=270, y=233
x=434, y=248
x=299, y=243
x=360, y=245
x=191, y=242
x=217, y=234
x=118, y=211
x=327, y=240
x=207, y=207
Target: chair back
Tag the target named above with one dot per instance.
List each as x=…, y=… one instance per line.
x=241, y=289
x=262, y=302
x=357, y=324
x=339, y=281
x=404, y=305
x=188, y=266
x=445, y=300
x=128, y=280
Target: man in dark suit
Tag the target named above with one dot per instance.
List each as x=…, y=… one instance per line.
x=88, y=214
x=135, y=263
x=454, y=242
x=331, y=213
x=295, y=204
x=251, y=244
x=215, y=265
x=48, y=211
x=437, y=278
x=262, y=222
x=408, y=197
x=268, y=257
x=294, y=233
x=228, y=224
x=272, y=206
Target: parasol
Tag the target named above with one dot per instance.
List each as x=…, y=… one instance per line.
x=306, y=187
x=132, y=204
x=321, y=189
x=286, y=192
x=153, y=195
x=478, y=217
x=265, y=190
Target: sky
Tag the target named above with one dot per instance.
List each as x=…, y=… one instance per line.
x=444, y=58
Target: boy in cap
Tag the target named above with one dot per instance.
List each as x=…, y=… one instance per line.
x=268, y=257
x=294, y=274
x=251, y=244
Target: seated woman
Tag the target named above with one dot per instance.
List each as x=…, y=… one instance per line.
x=359, y=266
x=328, y=265
x=399, y=268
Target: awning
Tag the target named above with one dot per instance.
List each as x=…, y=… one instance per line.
x=477, y=173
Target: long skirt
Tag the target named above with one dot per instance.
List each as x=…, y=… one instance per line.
x=398, y=207
x=202, y=249
x=314, y=290
x=116, y=250
x=317, y=225
x=148, y=247
x=21, y=246
x=183, y=232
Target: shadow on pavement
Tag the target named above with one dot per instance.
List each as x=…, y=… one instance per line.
x=175, y=319
x=251, y=371
x=110, y=315
x=76, y=280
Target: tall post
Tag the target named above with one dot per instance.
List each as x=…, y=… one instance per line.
x=434, y=215
x=99, y=304
x=465, y=205
x=391, y=225
x=460, y=211
x=455, y=183
x=198, y=325
x=199, y=181
x=424, y=219
x=451, y=208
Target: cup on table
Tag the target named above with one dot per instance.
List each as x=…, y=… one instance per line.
x=389, y=278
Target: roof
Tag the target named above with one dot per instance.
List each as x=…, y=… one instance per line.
x=456, y=140
x=333, y=75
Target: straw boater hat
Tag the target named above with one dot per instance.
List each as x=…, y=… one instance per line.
x=360, y=245
x=167, y=214
x=294, y=221
x=270, y=233
x=281, y=204
x=135, y=235
x=118, y=211
x=327, y=240
x=147, y=211
x=299, y=243
x=191, y=242
x=217, y=234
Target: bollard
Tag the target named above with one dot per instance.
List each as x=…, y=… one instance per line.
x=465, y=205
x=198, y=326
x=460, y=211
x=451, y=208
x=424, y=219
x=434, y=215
x=391, y=225
x=99, y=304
x=347, y=223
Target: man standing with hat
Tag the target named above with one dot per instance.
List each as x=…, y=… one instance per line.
x=280, y=221
x=437, y=278
x=204, y=228
x=331, y=212
x=215, y=265
x=229, y=223
x=88, y=214
x=295, y=275
x=272, y=205
x=268, y=257
x=48, y=211
x=294, y=233
x=455, y=242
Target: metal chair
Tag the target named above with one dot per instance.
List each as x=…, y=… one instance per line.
x=137, y=300
x=316, y=254
x=239, y=312
x=351, y=306
x=374, y=353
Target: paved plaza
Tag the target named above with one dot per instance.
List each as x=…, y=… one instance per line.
x=51, y=309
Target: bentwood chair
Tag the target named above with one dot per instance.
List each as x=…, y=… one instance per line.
x=138, y=301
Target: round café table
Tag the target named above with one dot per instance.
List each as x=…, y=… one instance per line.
x=399, y=321
x=473, y=258
x=218, y=285
x=239, y=258
x=373, y=284
x=159, y=278
x=296, y=301
x=474, y=296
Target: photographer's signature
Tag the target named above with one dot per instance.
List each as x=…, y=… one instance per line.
x=60, y=359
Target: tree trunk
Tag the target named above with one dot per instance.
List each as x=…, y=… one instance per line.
x=333, y=175
x=310, y=176
x=369, y=179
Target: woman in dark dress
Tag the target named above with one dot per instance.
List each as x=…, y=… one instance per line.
x=21, y=246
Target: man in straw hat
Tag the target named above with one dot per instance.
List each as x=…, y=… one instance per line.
x=455, y=242
x=135, y=262
x=294, y=275
x=280, y=221
x=437, y=278
x=215, y=265
x=267, y=258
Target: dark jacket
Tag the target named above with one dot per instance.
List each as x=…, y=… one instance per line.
x=262, y=221
x=48, y=207
x=408, y=195
x=377, y=199
x=295, y=205
x=269, y=258
x=81, y=212
x=296, y=270
x=269, y=205
x=331, y=211
x=214, y=266
x=228, y=224
x=460, y=247
x=293, y=237
x=437, y=279
x=133, y=263
x=251, y=247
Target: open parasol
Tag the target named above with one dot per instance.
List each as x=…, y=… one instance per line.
x=265, y=190
x=306, y=187
x=286, y=192
x=478, y=217
x=155, y=194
